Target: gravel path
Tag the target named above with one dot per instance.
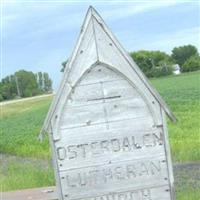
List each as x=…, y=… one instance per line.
x=187, y=175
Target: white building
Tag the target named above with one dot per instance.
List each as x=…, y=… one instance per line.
x=177, y=69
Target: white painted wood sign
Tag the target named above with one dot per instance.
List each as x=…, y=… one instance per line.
x=107, y=124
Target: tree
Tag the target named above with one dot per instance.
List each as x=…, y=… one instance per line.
x=160, y=71
x=8, y=88
x=149, y=60
x=47, y=82
x=1, y=86
x=24, y=84
x=143, y=60
x=1, y=97
x=182, y=53
x=192, y=64
x=27, y=83
x=40, y=81
x=63, y=65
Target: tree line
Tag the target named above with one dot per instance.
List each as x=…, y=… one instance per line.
x=24, y=84
x=152, y=63
x=158, y=63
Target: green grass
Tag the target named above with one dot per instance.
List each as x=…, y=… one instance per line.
x=182, y=94
x=188, y=194
x=20, y=174
x=20, y=124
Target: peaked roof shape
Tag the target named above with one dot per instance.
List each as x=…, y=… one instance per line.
x=96, y=37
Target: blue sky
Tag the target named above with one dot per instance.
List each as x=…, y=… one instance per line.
x=39, y=35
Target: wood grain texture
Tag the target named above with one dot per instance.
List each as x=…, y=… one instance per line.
x=49, y=193
x=107, y=128
x=114, y=42
x=102, y=102
x=114, y=177
x=92, y=22
x=77, y=47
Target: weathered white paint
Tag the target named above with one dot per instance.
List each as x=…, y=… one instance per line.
x=106, y=124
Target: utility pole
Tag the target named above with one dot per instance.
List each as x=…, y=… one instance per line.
x=17, y=86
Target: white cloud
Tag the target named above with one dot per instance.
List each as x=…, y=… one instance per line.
x=37, y=22
x=182, y=37
x=26, y=11
x=128, y=8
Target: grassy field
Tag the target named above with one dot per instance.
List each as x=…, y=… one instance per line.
x=18, y=173
x=20, y=124
x=182, y=94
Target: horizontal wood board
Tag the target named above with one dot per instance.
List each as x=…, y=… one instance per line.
x=109, y=143
x=50, y=193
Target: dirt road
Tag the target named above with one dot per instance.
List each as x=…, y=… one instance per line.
x=25, y=99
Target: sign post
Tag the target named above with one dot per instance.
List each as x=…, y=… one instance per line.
x=107, y=124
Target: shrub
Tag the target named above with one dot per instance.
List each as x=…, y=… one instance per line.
x=192, y=64
x=149, y=60
x=181, y=54
x=160, y=71
x=1, y=98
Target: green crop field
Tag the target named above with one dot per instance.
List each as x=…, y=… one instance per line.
x=182, y=94
x=20, y=124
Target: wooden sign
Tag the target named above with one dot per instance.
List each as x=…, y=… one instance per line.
x=107, y=124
